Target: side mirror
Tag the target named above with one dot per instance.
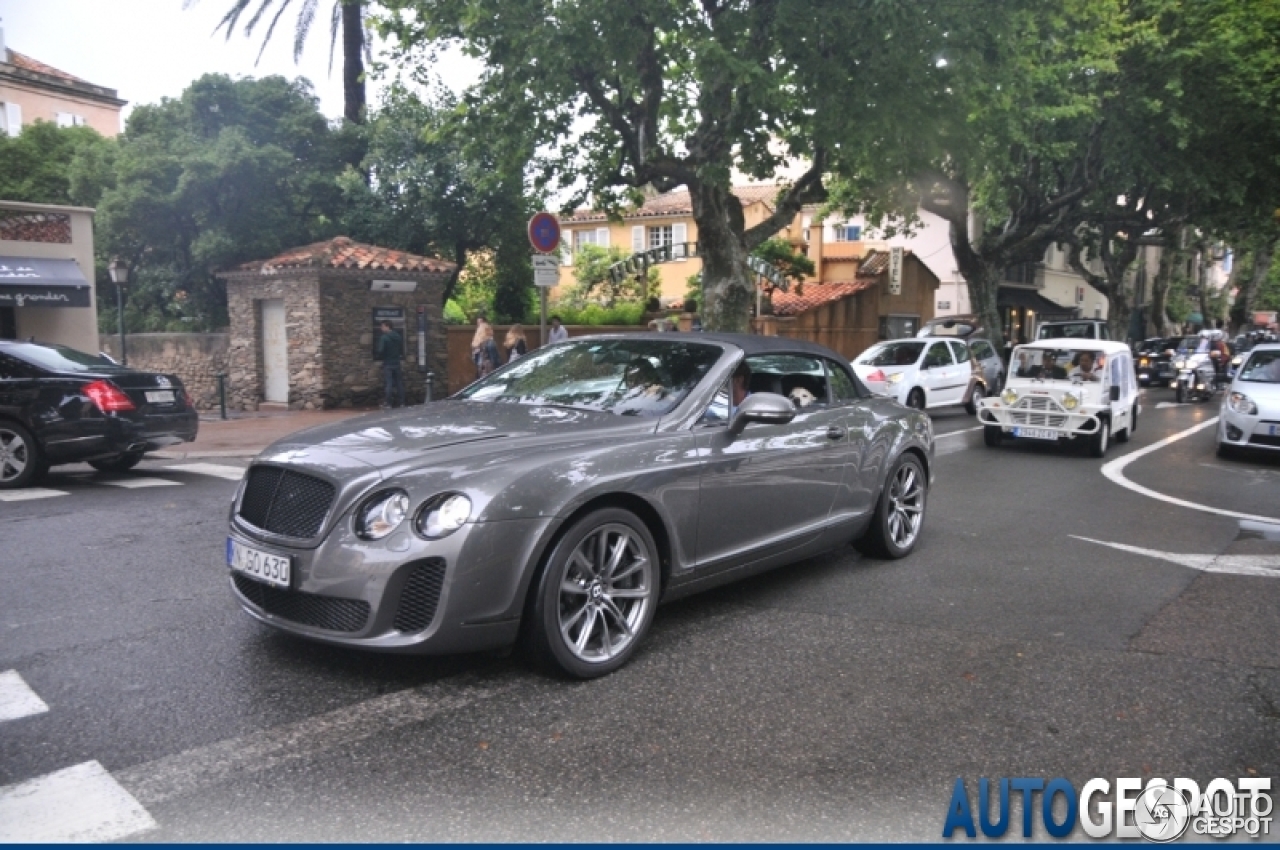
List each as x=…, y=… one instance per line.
x=1115, y=392
x=768, y=408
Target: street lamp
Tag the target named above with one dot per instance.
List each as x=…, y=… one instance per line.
x=119, y=271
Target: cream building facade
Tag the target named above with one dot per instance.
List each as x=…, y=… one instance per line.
x=33, y=91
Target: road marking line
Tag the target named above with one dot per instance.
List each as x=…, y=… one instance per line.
x=186, y=772
x=29, y=494
x=1245, y=565
x=231, y=473
x=135, y=483
x=81, y=803
x=961, y=431
x=17, y=699
x=1115, y=471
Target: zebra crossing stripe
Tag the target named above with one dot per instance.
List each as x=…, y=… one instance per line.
x=231, y=473
x=135, y=483
x=17, y=699
x=81, y=803
x=29, y=494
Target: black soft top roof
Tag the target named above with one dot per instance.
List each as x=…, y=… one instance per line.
x=749, y=343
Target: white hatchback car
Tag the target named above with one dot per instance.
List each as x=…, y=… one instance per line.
x=1251, y=409
x=1065, y=389
x=922, y=373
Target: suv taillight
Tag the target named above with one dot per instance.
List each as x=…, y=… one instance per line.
x=108, y=397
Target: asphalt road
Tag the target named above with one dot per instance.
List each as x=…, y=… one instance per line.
x=836, y=699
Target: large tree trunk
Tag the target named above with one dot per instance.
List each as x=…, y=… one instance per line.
x=1262, y=256
x=727, y=293
x=353, y=61
x=1157, y=320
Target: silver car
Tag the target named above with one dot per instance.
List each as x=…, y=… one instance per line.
x=558, y=500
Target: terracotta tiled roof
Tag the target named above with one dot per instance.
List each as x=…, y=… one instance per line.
x=817, y=294
x=679, y=204
x=875, y=262
x=342, y=253
x=20, y=60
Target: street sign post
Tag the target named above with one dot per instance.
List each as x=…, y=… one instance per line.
x=546, y=270
x=544, y=233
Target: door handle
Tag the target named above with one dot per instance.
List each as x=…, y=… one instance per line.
x=835, y=432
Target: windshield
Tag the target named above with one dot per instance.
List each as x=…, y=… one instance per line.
x=1077, y=330
x=1263, y=367
x=59, y=358
x=1059, y=364
x=904, y=353
x=625, y=377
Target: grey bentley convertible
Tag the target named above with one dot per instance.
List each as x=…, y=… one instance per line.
x=555, y=502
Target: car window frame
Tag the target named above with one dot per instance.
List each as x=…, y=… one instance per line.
x=940, y=343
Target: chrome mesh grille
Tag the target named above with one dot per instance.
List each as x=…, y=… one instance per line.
x=285, y=502
x=322, y=612
x=420, y=595
x=1038, y=410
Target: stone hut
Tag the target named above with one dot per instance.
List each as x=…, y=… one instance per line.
x=304, y=325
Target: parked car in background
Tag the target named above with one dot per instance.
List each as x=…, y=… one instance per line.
x=923, y=373
x=1065, y=390
x=59, y=405
x=1074, y=329
x=1250, y=417
x=990, y=362
x=557, y=500
x=962, y=326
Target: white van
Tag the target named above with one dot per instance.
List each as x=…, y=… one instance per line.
x=1065, y=389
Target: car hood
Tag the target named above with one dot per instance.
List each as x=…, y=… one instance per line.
x=1266, y=396
x=392, y=441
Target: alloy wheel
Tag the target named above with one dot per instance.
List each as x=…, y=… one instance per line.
x=605, y=593
x=906, y=505
x=14, y=455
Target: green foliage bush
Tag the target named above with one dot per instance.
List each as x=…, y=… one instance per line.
x=629, y=313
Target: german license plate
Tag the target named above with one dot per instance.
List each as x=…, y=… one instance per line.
x=1035, y=433
x=160, y=396
x=264, y=566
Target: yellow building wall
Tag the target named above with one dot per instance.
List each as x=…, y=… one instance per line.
x=44, y=106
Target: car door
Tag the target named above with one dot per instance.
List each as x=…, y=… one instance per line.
x=19, y=387
x=1120, y=370
x=862, y=472
x=771, y=487
x=939, y=375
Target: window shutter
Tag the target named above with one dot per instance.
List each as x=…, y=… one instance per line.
x=678, y=239
x=13, y=118
x=602, y=237
x=637, y=240
x=566, y=248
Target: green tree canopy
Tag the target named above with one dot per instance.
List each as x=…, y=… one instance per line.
x=39, y=165
x=231, y=171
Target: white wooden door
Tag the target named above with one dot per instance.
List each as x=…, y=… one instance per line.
x=275, y=352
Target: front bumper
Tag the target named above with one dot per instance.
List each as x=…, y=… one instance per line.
x=1053, y=418
x=401, y=594
x=1259, y=431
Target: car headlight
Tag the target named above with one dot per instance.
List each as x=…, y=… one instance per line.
x=1237, y=360
x=895, y=378
x=1179, y=364
x=442, y=515
x=1009, y=396
x=1241, y=403
x=1070, y=401
x=381, y=513
x=1143, y=363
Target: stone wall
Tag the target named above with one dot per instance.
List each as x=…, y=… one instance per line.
x=195, y=358
x=244, y=362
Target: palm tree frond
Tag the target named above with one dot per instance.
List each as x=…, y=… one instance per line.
x=306, y=15
x=266, y=38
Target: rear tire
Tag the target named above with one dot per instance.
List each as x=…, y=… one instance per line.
x=119, y=463
x=971, y=406
x=899, y=517
x=1178, y=395
x=20, y=460
x=993, y=436
x=1100, y=441
x=596, y=596
x=915, y=399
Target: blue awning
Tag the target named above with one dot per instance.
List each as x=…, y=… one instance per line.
x=41, y=282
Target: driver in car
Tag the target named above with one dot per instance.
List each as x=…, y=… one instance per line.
x=1049, y=368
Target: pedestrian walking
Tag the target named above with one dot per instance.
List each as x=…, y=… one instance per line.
x=515, y=343
x=558, y=332
x=484, y=351
x=390, y=351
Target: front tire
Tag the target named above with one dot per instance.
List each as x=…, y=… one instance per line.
x=119, y=463
x=899, y=517
x=915, y=399
x=992, y=435
x=1100, y=441
x=1178, y=395
x=596, y=596
x=971, y=406
x=20, y=460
